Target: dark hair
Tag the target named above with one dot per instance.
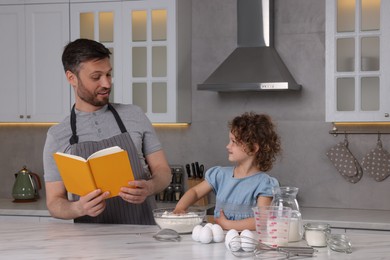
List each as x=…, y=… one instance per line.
x=82, y=50
x=250, y=129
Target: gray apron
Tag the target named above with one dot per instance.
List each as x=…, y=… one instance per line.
x=117, y=210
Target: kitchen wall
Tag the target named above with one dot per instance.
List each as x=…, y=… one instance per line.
x=300, y=117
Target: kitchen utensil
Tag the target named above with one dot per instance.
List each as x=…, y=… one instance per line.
x=201, y=170
x=181, y=223
x=197, y=169
x=26, y=186
x=252, y=247
x=167, y=234
x=188, y=169
x=272, y=224
x=287, y=197
x=194, y=173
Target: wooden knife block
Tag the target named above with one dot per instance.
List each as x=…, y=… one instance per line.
x=193, y=182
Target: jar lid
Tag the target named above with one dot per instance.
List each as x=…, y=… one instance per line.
x=316, y=226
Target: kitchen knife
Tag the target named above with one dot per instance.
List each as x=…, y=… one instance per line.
x=201, y=171
x=188, y=169
x=197, y=170
x=194, y=174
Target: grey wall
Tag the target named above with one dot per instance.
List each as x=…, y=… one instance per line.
x=300, y=117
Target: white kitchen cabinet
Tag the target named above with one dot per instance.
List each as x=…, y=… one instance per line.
x=357, y=61
x=34, y=88
x=151, y=45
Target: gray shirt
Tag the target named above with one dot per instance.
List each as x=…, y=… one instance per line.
x=96, y=126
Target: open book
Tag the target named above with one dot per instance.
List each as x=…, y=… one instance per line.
x=107, y=169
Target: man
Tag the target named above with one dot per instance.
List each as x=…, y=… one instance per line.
x=95, y=124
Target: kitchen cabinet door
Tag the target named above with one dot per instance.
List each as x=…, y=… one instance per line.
x=357, y=61
x=33, y=37
x=151, y=45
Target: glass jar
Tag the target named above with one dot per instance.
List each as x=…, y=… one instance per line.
x=339, y=243
x=316, y=234
x=287, y=197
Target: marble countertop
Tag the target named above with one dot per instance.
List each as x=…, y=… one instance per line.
x=337, y=218
x=45, y=240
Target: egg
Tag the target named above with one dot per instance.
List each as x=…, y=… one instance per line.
x=218, y=235
x=248, y=240
x=205, y=235
x=210, y=225
x=196, y=232
x=236, y=243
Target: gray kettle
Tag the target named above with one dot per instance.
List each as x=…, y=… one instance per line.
x=26, y=186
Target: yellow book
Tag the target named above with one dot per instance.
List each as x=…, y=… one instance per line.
x=107, y=169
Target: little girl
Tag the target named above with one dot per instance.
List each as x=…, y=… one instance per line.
x=253, y=147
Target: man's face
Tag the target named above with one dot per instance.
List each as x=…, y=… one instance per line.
x=92, y=85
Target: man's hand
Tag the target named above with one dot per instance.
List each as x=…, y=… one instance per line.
x=92, y=204
x=137, y=192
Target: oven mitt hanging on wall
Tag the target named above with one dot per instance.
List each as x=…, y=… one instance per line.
x=345, y=163
x=377, y=162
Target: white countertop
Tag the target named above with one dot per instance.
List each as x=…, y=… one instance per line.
x=337, y=218
x=45, y=240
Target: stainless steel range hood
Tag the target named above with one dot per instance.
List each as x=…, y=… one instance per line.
x=254, y=65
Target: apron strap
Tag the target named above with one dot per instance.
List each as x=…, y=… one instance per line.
x=74, y=139
x=117, y=118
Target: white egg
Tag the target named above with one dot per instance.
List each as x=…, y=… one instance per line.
x=232, y=233
x=248, y=240
x=218, y=235
x=206, y=235
x=210, y=225
x=196, y=232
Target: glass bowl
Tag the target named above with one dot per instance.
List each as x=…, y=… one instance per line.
x=181, y=223
x=339, y=243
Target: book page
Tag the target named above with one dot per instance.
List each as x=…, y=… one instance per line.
x=111, y=172
x=72, y=156
x=105, y=151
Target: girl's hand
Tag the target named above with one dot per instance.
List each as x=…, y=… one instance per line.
x=222, y=220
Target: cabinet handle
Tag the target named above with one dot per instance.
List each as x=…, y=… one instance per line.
x=386, y=114
x=21, y=116
x=28, y=116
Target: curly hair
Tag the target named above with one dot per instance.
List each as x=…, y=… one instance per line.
x=250, y=129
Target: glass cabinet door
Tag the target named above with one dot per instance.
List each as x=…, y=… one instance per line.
x=149, y=53
x=96, y=21
x=355, y=79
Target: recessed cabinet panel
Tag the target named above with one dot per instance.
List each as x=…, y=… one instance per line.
x=87, y=25
x=370, y=54
x=140, y=96
x=139, y=61
x=370, y=15
x=106, y=27
x=370, y=94
x=159, y=97
x=138, y=25
x=346, y=94
x=345, y=15
x=159, y=61
x=345, y=54
x=159, y=25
